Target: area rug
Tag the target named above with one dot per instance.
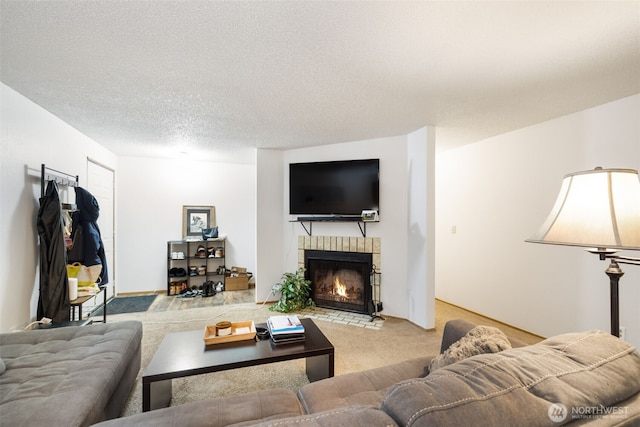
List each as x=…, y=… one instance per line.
x=121, y=305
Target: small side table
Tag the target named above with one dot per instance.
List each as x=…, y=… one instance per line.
x=64, y=324
x=81, y=300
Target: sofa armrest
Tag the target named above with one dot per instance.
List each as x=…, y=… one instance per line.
x=453, y=331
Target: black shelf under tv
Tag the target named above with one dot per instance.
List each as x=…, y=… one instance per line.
x=330, y=218
x=362, y=225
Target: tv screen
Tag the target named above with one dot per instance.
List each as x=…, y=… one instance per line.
x=334, y=188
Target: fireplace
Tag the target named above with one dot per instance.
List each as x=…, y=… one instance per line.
x=340, y=280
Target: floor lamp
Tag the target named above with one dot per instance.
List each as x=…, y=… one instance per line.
x=598, y=209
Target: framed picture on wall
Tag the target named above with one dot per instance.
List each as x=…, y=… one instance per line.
x=195, y=219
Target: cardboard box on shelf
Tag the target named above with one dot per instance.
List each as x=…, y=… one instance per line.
x=238, y=279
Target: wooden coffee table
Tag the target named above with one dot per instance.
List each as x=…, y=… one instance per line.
x=182, y=354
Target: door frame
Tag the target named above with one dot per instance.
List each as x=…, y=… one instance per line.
x=112, y=268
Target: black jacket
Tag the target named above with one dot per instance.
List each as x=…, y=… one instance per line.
x=53, y=301
x=88, y=248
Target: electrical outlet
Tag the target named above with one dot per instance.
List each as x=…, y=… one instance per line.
x=623, y=333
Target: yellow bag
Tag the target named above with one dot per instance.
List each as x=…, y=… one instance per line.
x=73, y=269
x=87, y=277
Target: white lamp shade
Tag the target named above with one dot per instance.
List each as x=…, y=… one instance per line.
x=595, y=209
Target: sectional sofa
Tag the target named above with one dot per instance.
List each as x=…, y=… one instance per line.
x=479, y=378
x=73, y=376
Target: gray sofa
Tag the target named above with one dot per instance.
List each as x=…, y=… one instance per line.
x=575, y=379
x=70, y=376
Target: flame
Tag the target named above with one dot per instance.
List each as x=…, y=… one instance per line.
x=339, y=287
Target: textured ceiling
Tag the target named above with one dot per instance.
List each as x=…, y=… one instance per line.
x=217, y=78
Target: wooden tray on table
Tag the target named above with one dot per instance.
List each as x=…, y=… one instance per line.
x=240, y=331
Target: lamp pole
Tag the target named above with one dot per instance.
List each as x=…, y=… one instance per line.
x=615, y=273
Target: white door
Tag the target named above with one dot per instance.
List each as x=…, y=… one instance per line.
x=101, y=184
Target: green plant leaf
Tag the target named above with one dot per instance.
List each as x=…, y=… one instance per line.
x=294, y=292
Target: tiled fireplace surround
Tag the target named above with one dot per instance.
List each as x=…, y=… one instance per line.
x=369, y=245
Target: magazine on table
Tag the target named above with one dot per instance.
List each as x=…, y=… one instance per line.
x=285, y=329
x=280, y=325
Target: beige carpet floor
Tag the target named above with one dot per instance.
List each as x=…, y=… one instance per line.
x=356, y=349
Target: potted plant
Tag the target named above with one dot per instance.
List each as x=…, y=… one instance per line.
x=294, y=292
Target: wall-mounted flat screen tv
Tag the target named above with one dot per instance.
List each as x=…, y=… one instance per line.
x=334, y=188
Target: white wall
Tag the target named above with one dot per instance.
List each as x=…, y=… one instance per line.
x=497, y=193
x=151, y=193
x=394, y=216
x=420, y=262
x=31, y=136
x=269, y=244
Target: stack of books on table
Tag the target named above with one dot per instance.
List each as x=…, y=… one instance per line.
x=285, y=329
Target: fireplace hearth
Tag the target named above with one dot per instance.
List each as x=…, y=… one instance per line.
x=340, y=280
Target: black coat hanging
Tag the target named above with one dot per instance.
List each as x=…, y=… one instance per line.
x=53, y=301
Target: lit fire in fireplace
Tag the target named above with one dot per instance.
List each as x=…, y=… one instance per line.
x=339, y=288
x=340, y=280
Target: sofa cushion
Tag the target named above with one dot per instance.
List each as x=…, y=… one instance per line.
x=479, y=340
x=341, y=417
x=358, y=388
x=2, y=367
x=246, y=409
x=556, y=370
x=64, y=376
